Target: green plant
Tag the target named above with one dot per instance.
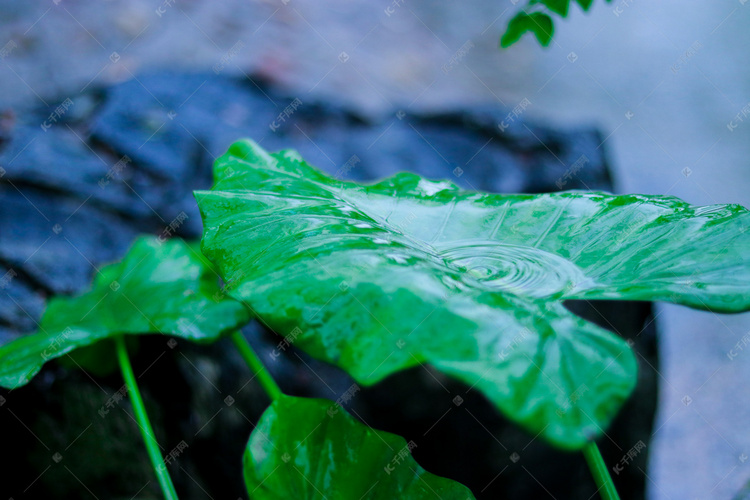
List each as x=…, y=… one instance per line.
x=536, y=18
x=379, y=278
x=407, y=271
x=165, y=287
x=168, y=287
x=340, y=458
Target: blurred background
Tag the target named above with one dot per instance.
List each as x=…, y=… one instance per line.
x=660, y=90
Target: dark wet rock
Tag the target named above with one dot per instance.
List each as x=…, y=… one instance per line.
x=58, y=224
x=61, y=161
x=58, y=242
x=15, y=292
x=170, y=125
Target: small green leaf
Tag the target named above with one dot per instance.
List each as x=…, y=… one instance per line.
x=537, y=22
x=558, y=6
x=309, y=449
x=408, y=271
x=585, y=4
x=159, y=287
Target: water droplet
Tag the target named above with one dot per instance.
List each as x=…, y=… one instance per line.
x=518, y=269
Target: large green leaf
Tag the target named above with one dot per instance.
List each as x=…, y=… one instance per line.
x=160, y=287
x=380, y=278
x=312, y=449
